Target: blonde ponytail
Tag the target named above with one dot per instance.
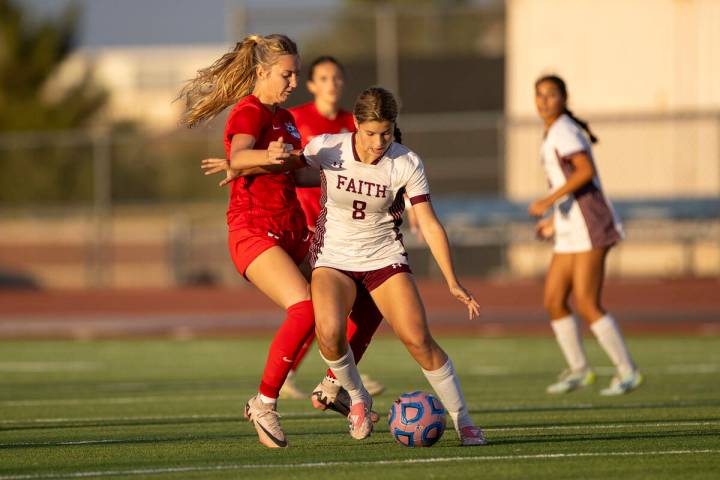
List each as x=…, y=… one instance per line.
x=231, y=77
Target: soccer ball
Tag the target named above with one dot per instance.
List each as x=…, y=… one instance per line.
x=417, y=419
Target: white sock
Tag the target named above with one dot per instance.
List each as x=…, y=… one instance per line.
x=611, y=340
x=567, y=333
x=266, y=400
x=447, y=386
x=348, y=376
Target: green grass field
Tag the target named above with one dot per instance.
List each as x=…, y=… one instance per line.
x=172, y=409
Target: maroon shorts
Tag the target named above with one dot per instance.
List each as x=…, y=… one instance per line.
x=246, y=245
x=374, y=278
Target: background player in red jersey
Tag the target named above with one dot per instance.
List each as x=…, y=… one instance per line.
x=268, y=236
x=322, y=115
x=326, y=79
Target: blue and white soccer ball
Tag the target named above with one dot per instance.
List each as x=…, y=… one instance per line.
x=417, y=419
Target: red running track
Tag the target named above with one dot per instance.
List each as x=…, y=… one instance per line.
x=682, y=306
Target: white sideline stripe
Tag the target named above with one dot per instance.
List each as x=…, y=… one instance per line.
x=208, y=468
x=607, y=426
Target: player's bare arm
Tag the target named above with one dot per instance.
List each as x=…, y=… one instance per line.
x=246, y=161
x=437, y=240
x=582, y=174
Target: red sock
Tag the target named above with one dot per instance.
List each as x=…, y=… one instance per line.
x=303, y=351
x=362, y=324
x=287, y=343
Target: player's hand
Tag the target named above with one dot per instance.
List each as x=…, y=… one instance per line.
x=211, y=166
x=539, y=207
x=459, y=292
x=545, y=228
x=278, y=152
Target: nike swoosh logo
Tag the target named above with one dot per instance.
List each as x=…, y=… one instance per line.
x=288, y=360
x=276, y=441
x=276, y=128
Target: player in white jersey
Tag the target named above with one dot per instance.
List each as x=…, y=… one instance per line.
x=358, y=242
x=584, y=227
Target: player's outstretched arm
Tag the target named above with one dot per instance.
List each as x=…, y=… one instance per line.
x=436, y=239
x=244, y=160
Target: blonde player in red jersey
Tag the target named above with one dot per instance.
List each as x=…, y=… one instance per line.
x=357, y=243
x=326, y=80
x=584, y=227
x=267, y=234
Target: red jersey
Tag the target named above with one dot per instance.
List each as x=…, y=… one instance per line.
x=311, y=124
x=263, y=202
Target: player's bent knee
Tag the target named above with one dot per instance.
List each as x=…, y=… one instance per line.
x=556, y=307
x=419, y=344
x=331, y=339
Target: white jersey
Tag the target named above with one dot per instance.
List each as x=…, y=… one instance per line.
x=362, y=204
x=585, y=219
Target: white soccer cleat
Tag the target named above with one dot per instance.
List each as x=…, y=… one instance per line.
x=569, y=381
x=361, y=426
x=266, y=422
x=373, y=387
x=291, y=391
x=329, y=395
x=622, y=385
x=472, y=436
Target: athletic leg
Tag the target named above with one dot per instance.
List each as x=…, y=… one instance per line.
x=361, y=325
x=363, y=322
x=588, y=278
x=275, y=274
x=558, y=285
x=334, y=294
x=399, y=301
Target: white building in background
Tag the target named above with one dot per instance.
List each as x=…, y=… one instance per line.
x=143, y=82
x=646, y=74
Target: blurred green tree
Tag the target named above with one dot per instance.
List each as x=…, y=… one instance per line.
x=31, y=50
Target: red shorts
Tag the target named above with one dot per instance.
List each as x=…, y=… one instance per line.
x=374, y=278
x=309, y=198
x=247, y=245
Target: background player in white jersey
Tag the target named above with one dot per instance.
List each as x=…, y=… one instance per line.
x=584, y=227
x=357, y=242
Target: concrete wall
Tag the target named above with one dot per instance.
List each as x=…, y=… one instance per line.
x=645, y=73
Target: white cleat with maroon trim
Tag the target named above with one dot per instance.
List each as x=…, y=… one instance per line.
x=361, y=425
x=472, y=436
